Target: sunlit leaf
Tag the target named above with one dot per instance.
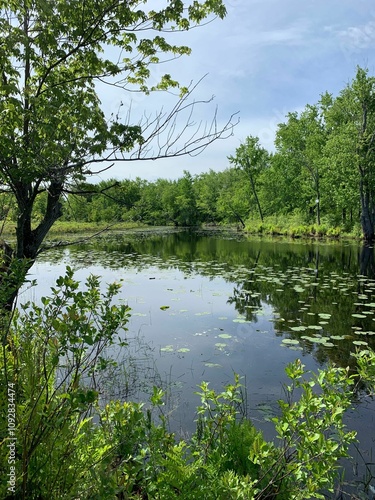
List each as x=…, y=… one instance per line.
x=290, y=341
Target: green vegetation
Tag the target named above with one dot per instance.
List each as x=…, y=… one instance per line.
x=318, y=182
x=70, y=444
x=59, y=438
x=57, y=60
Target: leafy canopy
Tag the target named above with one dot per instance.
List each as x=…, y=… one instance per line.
x=53, y=55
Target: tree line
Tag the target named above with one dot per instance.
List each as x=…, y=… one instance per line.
x=322, y=172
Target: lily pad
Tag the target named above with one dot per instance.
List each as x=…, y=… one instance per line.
x=290, y=341
x=167, y=348
x=164, y=308
x=324, y=315
x=225, y=336
x=183, y=349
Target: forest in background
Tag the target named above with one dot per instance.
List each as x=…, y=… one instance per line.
x=321, y=173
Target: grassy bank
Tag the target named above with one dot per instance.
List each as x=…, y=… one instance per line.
x=288, y=226
x=293, y=227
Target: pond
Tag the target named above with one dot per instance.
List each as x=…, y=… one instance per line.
x=208, y=304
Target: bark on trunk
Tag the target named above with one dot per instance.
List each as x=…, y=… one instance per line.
x=367, y=213
x=29, y=241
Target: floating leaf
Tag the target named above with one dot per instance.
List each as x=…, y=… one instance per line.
x=357, y=315
x=164, y=308
x=220, y=345
x=225, y=336
x=290, y=341
x=359, y=342
x=298, y=328
x=167, y=348
x=324, y=315
x=183, y=349
x=317, y=340
x=212, y=365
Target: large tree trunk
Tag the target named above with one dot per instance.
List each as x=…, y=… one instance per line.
x=17, y=262
x=367, y=213
x=254, y=190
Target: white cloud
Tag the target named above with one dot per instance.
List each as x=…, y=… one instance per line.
x=357, y=37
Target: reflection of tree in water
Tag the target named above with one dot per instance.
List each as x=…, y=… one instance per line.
x=247, y=302
x=311, y=303
x=300, y=280
x=246, y=296
x=367, y=262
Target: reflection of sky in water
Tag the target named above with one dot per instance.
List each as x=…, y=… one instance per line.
x=198, y=317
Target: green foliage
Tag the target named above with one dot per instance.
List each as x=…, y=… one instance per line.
x=55, y=59
x=253, y=160
x=54, y=357
x=312, y=431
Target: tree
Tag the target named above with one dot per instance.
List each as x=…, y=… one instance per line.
x=351, y=117
x=252, y=159
x=340, y=179
x=301, y=140
x=232, y=203
x=54, y=131
x=208, y=187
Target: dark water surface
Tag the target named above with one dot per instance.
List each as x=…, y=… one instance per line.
x=207, y=304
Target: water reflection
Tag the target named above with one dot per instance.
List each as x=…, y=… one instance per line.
x=298, y=280
x=233, y=304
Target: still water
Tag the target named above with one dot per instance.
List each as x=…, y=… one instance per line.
x=208, y=304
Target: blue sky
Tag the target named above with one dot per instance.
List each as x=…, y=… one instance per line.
x=266, y=58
